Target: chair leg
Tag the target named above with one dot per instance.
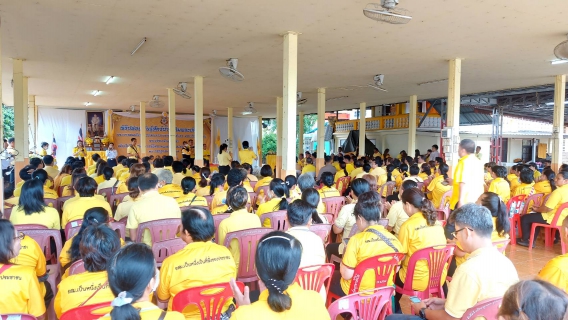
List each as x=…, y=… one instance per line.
x=563, y=245
x=512, y=232
x=531, y=240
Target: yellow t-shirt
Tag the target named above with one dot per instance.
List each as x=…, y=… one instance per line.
x=99, y=179
x=536, y=175
x=133, y=152
x=57, y=181
x=82, y=153
x=349, y=167
x=339, y=174
x=265, y=181
x=326, y=192
x=178, y=176
x=469, y=170
x=31, y=255
x=269, y=206
x=206, y=154
x=76, y=209
x=191, y=199
x=51, y=171
x=308, y=168
x=494, y=237
x=362, y=246
x=49, y=193
x=523, y=188
x=224, y=159
x=76, y=289
x=353, y=173
x=48, y=218
x=514, y=181
x=238, y=220
x=247, y=156
x=65, y=255
x=415, y=234
x=502, y=188
x=542, y=187
x=197, y=264
x=555, y=200
x=438, y=188
x=148, y=311
x=123, y=208
x=171, y=190
x=556, y=272
x=21, y=291
x=202, y=192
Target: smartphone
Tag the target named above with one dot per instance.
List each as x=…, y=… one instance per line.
x=414, y=299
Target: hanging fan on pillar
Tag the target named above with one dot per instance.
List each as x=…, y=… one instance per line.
x=230, y=71
x=156, y=102
x=181, y=90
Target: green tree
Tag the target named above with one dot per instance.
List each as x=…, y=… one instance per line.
x=8, y=114
x=268, y=143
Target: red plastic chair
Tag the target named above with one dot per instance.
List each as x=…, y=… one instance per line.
x=515, y=219
x=487, y=309
x=363, y=305
x=21, y=316
x=342, y=184
x=445, y=205
x=76, y=267
x=209, y=299
x=420, y=185
x=209, y=200
x=88, y=312
x=61, y=202
x=322, y=230
x=315, y=277
x=248, y=240
x=438, y=259
x=164, y=249
x=278, y=220
x=106, y=192
x=333, y=205
x=163, y=229
x=43, y=237
x=115, y=199
x=384, y=265
x=550, y=230
x=217, y=218
x=389, y=187
x=501, y=245
x=72, y=228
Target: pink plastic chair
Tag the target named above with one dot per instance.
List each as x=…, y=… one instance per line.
x=445, y=205
x=106, y=192
x=209, y=200
x=253, y=196
x=76, y=267
x=43, y=237
x=515, y=220
x=438, y=259
x=550, y=230
x=88, y=312
x=209, y=299
x=501, y=245
x=322, y=230
x=487, y=309
x=329, y=217
x=115, y=199
x=163, y=229
x=363, y=305
x=315, y=277
x=51, y=203
x=333, y=205
x=252, y=184
x=342, y=184
x=278, y=220
x=61, y=202
x=72, y=228
x=21, y=316
x=119, y=227
x=248, y=240
x=217, y=218
x=164, y=249
x=7, y=212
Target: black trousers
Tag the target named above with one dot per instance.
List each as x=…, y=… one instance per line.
x=332, y=249
x=526, y=224
x=335, y=284
x=112, y=163
x=224, y=169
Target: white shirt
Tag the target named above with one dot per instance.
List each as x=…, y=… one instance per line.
x=111, y=154
x=312, y=246
x=434, y=155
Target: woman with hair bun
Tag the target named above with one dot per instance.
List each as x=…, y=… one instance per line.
x=277, y=260
x=534, y=300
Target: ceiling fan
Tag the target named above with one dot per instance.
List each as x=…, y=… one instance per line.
x=156, y=102
x=377, y=84
x=230, y=71
x=249, y=109
x=181, y=90
x=387, y=12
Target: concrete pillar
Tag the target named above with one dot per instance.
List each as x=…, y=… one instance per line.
x=259, y=144
x=279, y=129
x=453, y=110
x=26, y=149
x=412, y=124
x=172, y=123
x=558, y=121
x=320, y=162
x=362, y=128
x=383, y=143
x=300, y=132
x=198, y=110
x=143, y=128
x=230, y=129
x=20, y=121
x=290, y=88
x=32, y=123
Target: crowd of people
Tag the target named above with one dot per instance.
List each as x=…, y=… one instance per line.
x=409, y=192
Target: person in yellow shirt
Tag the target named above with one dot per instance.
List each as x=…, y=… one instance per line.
x=216, y=189
x=403, y=169
x=527, y=183
x=119, y=165
x=266, y=173
x=438, y=186
x=499, y=185
x=70, y=189
x=283, y=298
x=348, y=163
x=556, y=270
x=187, y=151
x=50, y=168
x=203, y=188
x=42, y=176
x=377, y=153
x=328, y=189
x=133, y=150
x=275, y=200
x=342, y=172
x=31, y=208
x=487, y=167
x=21, y=291
x=468, y=182
x=546, y=212
x=75, y=210
x=98, y=245
x=109, y=182
x=65, y=172
x=534, y=169
x=545, y=184
x=372, y=240
x=168, y=162
x=249, y=177
x=179, y=172
x=247, y=155
x=79, y=150
x=224, y=158
x=136, y=170
x=177, y=274
x=132, y=294
x=513, y=177
x=240, y=219
x=421, y=230
x=166, y=187
x=98, y=175
x=357, y=169
x=189, y=197
x=425, y=172
x=309, y=167
x=123, y=208
x=93, y=168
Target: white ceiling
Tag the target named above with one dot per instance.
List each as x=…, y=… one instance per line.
x=72, y=46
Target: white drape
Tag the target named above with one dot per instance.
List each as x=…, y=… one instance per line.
x=64, y=124
x=244, y=129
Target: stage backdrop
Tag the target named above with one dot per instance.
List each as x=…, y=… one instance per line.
x=126, y=126
x=244, y=129
x=63, y=124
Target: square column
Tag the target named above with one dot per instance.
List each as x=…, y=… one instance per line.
x=32, y=121
x=453, y=112
x=20, y=119
x=259, y=144
x=558, y=121
x=198, y=123
x=301, y=132
x=362, y=128
x=26, y=149
x=320, y=162
x=143, y=128
x=230, y=129
x=290, y=87
x=412, y=124
x=172, y=123
x=279, y=129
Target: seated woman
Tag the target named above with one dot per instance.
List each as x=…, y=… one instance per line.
x=250, y=177
x=277, y=260
x=438, y=186
x=556, y=270
x=328, y=189
x=203, y=177
x=291, y=183
x=535, y=300
x=545, y=184
x=366, y=170
x=372, y=240
x=266, y=173
x=384, y=178
x=31, y=208
x=99, y=173
x=545, y=213
x=421, y=230
x=123, y=208
x=499, y=185
x=189, y=197
x=136, y=170
x=216, y=189
x=65, y=171
x=42, y=176
x=110, y=181
x=342, y=172
x=77, y=174
x=176, y=274
x=414, y=172
x=311, y=196
x=527, y=183
x=86, y=187
x=25, y=294
x=98, y=245
x=276, y=200
x=179, y=172
x=240, y=219
x=425, y=172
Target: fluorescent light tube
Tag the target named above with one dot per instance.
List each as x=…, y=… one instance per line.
x=96, y=93
x=87, y=104
x=559, y=61
x=109, y=79
x=138, y=46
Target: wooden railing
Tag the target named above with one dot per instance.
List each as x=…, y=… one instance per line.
x=388, y=123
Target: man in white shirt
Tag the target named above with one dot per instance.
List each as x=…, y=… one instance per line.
x=299, y=215
x=435, y=153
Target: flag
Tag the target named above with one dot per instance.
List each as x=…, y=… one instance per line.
x=54, y=147
x=218, y=138
x=239, y=145
x=80, y=137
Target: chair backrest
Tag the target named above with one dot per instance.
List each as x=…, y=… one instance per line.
x=445, y=200
x=383, y=265
x=516, y=203
x=115, y=199
x=217, y=218
x=329, y=217
x=426, y=183
x=315, y=277
x=389, y=187
x=278, y=220
x=119, y=227
x=105, y=192
x=333, y=204
x=51, y=203
x=61, y=202
x=322, y=230
x=43, y=237
x=558, y=213
x=163, y=229
x=342, y=184
x=76, y=267
x=6, y=213
x=253, y=196
x=209, y=299
x=369, y=304
x=535, y=199
x=382, y=222
x=248, y=240
x=19, y=316
x=438, y=259
x=265, y=190
x=252, y=183
x=487, y=309
x=501, y=245
x=88, y=312
x=209, y=201
x=164, y=249
x=60, y=190
x=72, y=228
x=354, y=231
x=420, y=185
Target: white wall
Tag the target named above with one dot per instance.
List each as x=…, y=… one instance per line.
x=64, y=124
x=243, y=129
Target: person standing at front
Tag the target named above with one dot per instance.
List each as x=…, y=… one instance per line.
x=225, y=158
x=468, y=176
x=133, y=150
